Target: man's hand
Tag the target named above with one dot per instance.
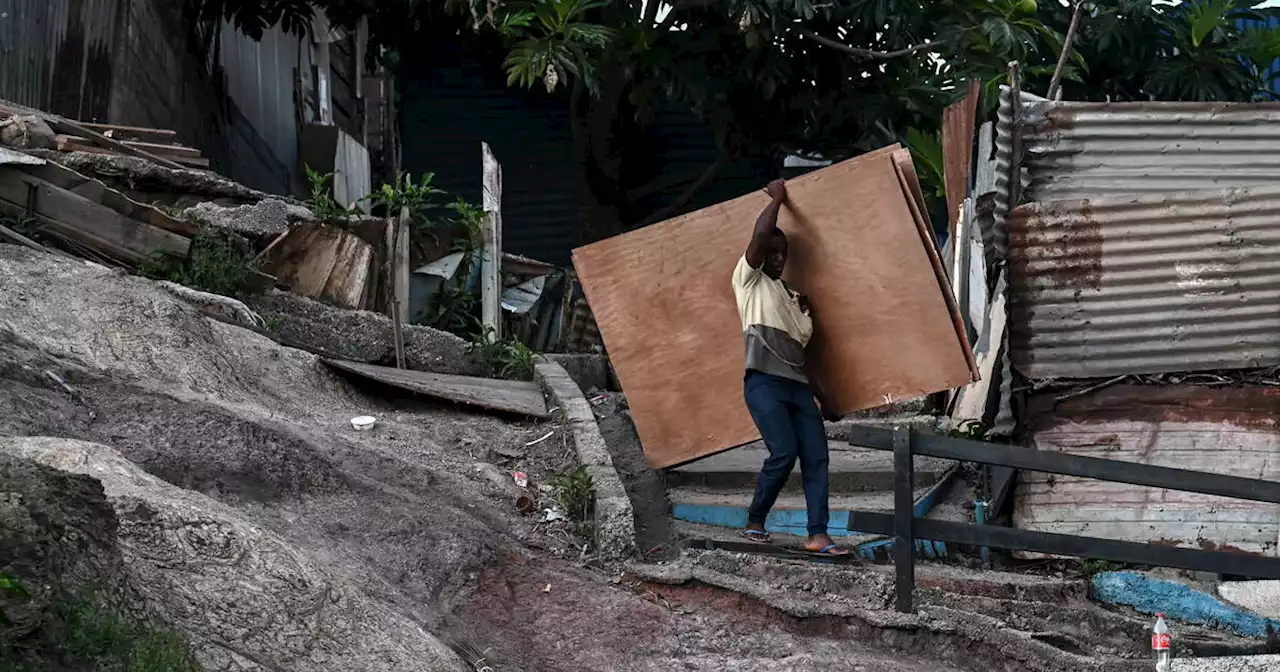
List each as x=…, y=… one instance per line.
x=777, y=190
x=828, y=413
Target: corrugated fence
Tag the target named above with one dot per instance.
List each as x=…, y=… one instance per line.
x=56, y=55
x=1147, y=238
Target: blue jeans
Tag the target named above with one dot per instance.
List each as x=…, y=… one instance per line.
x=789, y=420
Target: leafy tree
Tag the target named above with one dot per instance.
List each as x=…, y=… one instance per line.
x=1137, y=50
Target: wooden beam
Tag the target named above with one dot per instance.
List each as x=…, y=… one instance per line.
x=126, y=133
x=97, y=191
x=84, y=222
x=491, y=267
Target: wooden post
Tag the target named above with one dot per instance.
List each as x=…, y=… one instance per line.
x=904, y=545
x=491, y=266
x=398, y=278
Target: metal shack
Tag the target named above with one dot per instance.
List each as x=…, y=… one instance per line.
x=1141, y=246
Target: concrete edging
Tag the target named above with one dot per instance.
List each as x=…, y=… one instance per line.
x=615, y=522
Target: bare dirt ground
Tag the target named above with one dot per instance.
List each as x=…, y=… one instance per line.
x=249, y=476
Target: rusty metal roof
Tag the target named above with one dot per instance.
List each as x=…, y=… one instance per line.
x=1145, y=284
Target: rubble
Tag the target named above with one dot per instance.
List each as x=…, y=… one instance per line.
x=359, y=335
x=149, y=182
x=268, y=217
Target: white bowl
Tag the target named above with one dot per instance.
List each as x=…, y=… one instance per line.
x=363, y=422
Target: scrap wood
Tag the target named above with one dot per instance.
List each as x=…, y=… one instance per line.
x=663, y=300
x=80, y=221
x=512, y=396
x=68, y=127
x=98, y=191
x=126, y=133
x=322, y=262
x=184, y=155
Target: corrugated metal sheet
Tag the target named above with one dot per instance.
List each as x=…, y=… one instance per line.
x=56, y=55
x=260, y=80
x=958, y=125
x=1005, y=170
x=1085, y=150
x=1229, y=431
x=1144, y=284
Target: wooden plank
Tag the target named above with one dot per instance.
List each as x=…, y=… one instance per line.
x=70, y=143
x=510, y=396
x=1114, y=471
x=68, y=127
x=125, y=133
x=97, y=191
x=491, y=266
x=662, y=298
x=322, y=262
x=169, y=151
x=87, y=223
x=907, y=177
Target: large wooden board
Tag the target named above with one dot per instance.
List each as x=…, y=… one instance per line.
x=663, y=300
x=511, y=396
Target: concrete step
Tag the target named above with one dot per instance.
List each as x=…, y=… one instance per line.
x=728, y=509
x=852, y=470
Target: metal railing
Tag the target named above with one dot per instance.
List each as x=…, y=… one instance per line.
x=906, y=444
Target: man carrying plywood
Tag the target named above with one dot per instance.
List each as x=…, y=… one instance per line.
x=779, y=391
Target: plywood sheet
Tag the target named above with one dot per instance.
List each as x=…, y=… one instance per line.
x=662, y=298
x=510, y=396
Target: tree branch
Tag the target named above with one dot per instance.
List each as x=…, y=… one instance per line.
x=687, y=195
x=867, y=53
x=1066, y=50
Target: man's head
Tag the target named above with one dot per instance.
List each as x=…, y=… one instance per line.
x=775, y=258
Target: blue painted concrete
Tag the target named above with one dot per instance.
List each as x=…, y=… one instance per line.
x=780, y=521
x=1177, y=602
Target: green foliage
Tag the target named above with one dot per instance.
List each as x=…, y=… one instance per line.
x=322, y=204
x=972, y=430
x=575, y=492
x=1136, y=50
x=502, y=358
x=215, y=263
x=453, y=309
x=419, y=198
x=1090, y=567
x=81, y=630
x=926, y=153
x=555, y=40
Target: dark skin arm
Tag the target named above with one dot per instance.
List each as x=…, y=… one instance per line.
x=766, y=223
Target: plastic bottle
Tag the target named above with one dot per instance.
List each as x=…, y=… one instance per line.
x=1162, y=645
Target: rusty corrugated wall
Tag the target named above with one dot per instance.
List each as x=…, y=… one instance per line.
x=56, y=55
x=1146, y=284
x=1230, y=431
x=1146, y=237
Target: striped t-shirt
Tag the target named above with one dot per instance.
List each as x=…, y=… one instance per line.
x=776, y=329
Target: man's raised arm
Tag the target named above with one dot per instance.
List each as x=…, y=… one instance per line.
x=766, y=223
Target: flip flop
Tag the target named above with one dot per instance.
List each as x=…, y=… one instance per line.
x=828, y=552
x=758, y=536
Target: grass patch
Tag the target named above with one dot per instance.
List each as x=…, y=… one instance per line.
x=215, y=263
x=82, y=630
x=503, y=358
x=575, y=492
